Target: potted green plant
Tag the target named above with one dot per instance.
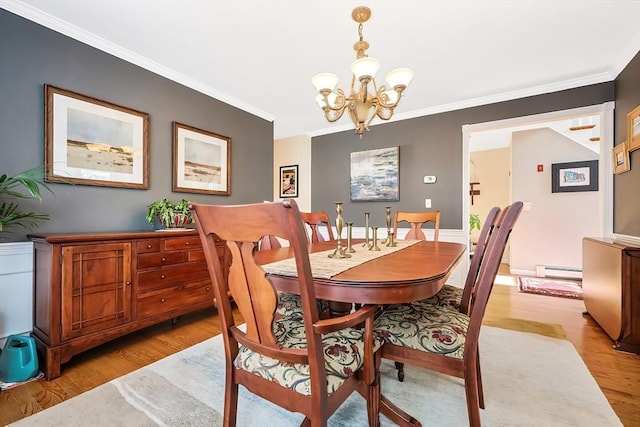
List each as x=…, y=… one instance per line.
x=474, y=222
x=24, y=185
x=168, y=214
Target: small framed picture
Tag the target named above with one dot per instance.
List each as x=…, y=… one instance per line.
x=289, y=181
x=94, y=142
x=633, y=129
x=574, y=176
x=620, y=158
x=201, y=161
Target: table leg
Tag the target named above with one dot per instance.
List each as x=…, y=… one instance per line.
x=390, y=410
x=339, y=309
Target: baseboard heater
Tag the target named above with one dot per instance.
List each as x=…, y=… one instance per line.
x=559, y=272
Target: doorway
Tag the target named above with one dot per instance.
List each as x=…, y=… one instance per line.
x=602, y=216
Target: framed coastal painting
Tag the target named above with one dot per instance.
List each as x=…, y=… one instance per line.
x=201, y=161
x=620, y=158
x=93, y=142
x=289, y=181
x=574, y=176
x=633, y=129
x=375, y=175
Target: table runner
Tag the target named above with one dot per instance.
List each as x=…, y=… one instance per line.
x=324, y=267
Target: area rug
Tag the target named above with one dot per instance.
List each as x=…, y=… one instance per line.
x=529, y=380
x=551, y=287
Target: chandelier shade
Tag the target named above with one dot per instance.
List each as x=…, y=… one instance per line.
x=365, y=100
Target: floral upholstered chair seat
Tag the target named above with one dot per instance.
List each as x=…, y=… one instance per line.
x=449, y=296
x=289, y=304
x=343, y=351
x=424, y=327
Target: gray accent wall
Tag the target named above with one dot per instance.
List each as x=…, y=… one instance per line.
x=626, y=207
x=429, y=145
x=32, y=55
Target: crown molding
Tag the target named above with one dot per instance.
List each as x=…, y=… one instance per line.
x=76, y=33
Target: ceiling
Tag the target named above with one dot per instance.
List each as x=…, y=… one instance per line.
x=260, y=55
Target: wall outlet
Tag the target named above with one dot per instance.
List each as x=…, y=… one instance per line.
x=429, y=179
x=427, y=203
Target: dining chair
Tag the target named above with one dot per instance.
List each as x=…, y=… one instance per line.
x=416, y=220
x=315, y=220
x=445, y=339
x=459, y=298
x=299, y=362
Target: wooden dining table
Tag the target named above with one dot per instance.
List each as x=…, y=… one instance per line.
x=396, y=275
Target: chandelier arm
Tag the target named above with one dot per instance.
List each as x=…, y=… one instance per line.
x=385, y=113
x=333, y=115
x=381, y=98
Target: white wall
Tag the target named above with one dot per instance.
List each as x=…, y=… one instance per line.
x=551, y=232
x=294, y=151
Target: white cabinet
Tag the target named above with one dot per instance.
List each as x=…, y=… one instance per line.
x=16, y=289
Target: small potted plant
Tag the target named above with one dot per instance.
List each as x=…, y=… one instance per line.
x=13, y=187
x=474, y=222
x=168, y=214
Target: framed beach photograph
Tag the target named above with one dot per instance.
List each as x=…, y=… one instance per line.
x=633, y=129
x=93, y=142
x=375, y=175
x=201, y=161
x=574, y=176
x=289, y=181
x=620, y=158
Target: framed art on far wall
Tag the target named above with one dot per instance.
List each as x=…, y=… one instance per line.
x=94, y=142
x=620, y=158
x=633, y=129
x=574, y=176
x=201, y=161
x=289, y=181
x=375, y=175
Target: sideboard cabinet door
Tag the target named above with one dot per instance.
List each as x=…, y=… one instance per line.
x=96, y=288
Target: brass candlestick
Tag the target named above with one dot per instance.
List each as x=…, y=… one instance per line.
x=374, y=244
x=339, y=252
x=367, y=243
x=390, y=242
x=387, y=241
x=349, y=248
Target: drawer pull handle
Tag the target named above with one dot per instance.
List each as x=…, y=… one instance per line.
x=187, y=243
x=148, y=246
x=128, y=283
x=162, y=277
x=164, y=259
x=208, y=289
x=162, y=300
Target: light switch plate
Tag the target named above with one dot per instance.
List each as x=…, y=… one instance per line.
x=429, y=179
x=427, y=203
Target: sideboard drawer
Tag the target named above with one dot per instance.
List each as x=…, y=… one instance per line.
x=147, y=246
x=172, y=275
x=169, y=299
x=161, y=259
x=181, y=243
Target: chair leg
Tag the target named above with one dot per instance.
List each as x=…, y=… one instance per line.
x=400, y=368
x=230, y=403
x=471, y=392
x=480, y=389
x=374, y=395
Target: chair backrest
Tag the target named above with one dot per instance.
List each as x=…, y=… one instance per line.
x=416, y=220
x=247, y=284
x=269, y=242
x=315, y=220
x=488, y=271
x=476, y=260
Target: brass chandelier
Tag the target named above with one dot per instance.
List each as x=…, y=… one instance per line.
x=362, y=103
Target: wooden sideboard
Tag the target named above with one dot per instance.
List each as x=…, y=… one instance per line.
x=611, y=288
x=92, y=288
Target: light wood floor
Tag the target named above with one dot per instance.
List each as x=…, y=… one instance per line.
x=617, y=373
